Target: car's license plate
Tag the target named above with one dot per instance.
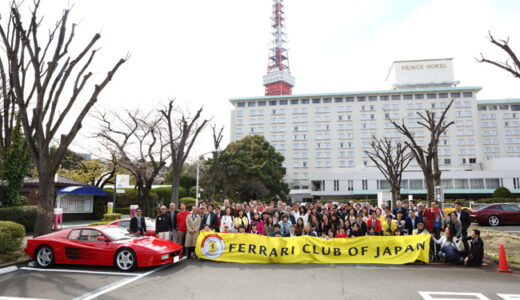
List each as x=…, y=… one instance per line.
x=175, y=259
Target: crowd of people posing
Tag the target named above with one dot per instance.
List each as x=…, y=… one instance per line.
x=328, y=221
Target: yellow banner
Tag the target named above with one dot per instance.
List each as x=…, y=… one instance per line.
x=253, y=248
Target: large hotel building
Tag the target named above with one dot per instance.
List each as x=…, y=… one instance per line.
x=323, y=137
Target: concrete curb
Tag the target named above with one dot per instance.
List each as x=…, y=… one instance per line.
x=17, y=264
x=8, y=270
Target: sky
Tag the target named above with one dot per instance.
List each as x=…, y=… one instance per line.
x=204, y=52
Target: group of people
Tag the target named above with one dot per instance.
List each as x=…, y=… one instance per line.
x=329, y=220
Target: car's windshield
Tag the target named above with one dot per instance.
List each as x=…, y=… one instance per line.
x=117, y=233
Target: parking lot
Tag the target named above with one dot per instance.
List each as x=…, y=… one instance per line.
x=196, y=279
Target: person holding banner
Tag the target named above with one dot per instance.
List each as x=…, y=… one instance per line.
x=307, y=230
x=389, y=224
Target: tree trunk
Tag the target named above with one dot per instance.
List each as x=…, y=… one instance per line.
x=175, y=187
x=430, y=188
x=436, y=170
x=46, y=199
x=396, y=195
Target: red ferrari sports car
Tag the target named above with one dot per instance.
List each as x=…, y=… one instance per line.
x=125, y=223
x=103, y=246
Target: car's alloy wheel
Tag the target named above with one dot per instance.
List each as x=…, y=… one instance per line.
x=494, y=221
x=126, y=260
x=45, y=257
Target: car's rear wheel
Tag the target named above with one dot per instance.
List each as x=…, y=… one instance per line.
x=125, y=260
x=44, y=257
x=494, y=221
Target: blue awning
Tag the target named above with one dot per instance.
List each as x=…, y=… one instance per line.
x=82, y=190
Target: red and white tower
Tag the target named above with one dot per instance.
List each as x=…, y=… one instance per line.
x=278, y=80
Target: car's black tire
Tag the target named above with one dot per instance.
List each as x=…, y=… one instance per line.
x=494, y=221
x=125, y=260
x=44, y=256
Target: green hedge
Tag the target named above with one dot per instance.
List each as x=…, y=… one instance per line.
x=188, y=201
x=24, y=215
x=130, y=197
x=502, y=192
x=498, y=200
x=100, y=223
x=111, y=217
x=11, y=236
x=123, y=210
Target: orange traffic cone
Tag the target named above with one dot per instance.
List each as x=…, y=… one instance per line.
x=503, y=267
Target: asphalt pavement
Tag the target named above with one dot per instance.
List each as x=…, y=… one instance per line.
x=197, y=279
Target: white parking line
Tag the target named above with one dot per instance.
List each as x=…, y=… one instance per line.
x=19, y=298
x=508, y=296
x=449, y=296
x=108, y=288
x=82, y=272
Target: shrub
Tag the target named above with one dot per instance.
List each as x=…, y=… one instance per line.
x=24, y=215
x=99, y=223
x=123, y=210
x=99, y=207
x=111, y=217
x=130, y=197
x=163, y=193
x=497, y=200
x=502, y=192
x=11, y=236
x=188, y=201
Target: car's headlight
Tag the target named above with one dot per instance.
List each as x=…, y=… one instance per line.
x=165, y=256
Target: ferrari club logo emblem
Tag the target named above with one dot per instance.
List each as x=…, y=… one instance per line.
x=212, y=246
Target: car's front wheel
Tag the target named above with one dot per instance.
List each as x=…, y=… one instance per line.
x=125, y=260
x=44, y=257
x=494, y=221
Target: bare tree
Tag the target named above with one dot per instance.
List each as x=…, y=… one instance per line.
x=427, y=159
x=214, y=170
x=391, y=159
x=39, y=73
x=183, y=131
x=514, y=69
x=142, y=146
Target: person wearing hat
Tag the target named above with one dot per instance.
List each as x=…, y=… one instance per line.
x=137, y=223
x=421, y=228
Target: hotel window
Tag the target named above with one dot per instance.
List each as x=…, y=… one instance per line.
x=409, y=106
x=503, y=107
x=395, y=106
x=396, y=97
x=407, y=97
x=477, y=183
x=336, y=185
x=294, y=101
x=283, y=102
x=338, y=100
x=431, y=96
x=467, y=104
x=241, y=104
x=443, y=95
x=316, y=101
x=305, y=101
x=467, y=113
x=272, y=103
x=383, y=98
x=350, y=183
x=419, y=96
x=467, y=94
x=458, y=104
x=482, y=107
x=364, y=182
x=251, y=104
x=455, y=95
x=372, y=98
x=327, y=100
x=493, y=107
x=361, y=98
x=447, y=161
x=262, y=103
x=418, y=105
x=350, y=99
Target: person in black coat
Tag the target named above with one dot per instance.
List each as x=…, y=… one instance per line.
x=476, y=253
x=209, y=218
x=465, y=221
x=138, y=223
x=411, y=222
x=362, y=225
x=163, y=224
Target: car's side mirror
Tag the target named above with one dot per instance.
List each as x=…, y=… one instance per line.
x=101, y=239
